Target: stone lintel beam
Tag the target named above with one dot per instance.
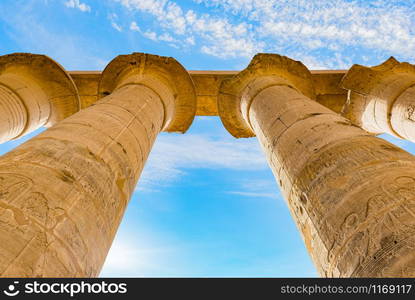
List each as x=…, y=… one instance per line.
x=64, y=192
x=35, y=91
x=351, y=194
x=87, y=83
x=381, y=99
x=207, y=83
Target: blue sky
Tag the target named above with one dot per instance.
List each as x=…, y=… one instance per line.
x=207, y=204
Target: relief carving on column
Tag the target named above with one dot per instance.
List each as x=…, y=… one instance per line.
x=64, y=192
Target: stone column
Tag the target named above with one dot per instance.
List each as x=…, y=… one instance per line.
x=351, y=194
x=381, y=99
x=35, y=91
x=63, y=193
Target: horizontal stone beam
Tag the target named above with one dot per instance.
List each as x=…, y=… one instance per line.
x=207, y=83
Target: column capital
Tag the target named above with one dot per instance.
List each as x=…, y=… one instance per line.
x=164, y=75
x=38, y=76
x=373, y=91
x=263, y=71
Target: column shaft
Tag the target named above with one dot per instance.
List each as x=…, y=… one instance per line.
x=63, y=193
x=352, y=195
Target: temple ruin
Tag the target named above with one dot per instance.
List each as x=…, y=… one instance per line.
x=64, y=192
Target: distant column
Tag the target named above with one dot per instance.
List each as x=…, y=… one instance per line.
x=381, y=99
x=351, y=194
x=63, y=193
x=35, y=91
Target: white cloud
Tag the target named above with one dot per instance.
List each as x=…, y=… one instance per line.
x=257, y=188
x=173, y=154
x=116, y=26
x=166, y=37
x=134, y=27
x=335, y=29
x=77, y=4
x=219, y=36
x=377, y=25
x=255, y=194
x=190, y=40
x=163, y=37
x=151, y=35
x=113, y=21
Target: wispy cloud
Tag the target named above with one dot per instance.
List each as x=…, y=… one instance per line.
x=172, y=155
x=113, y=21
x=78, y=5
x=255, y=194
x=134, y=26
x=305, y=30
x=257, y=188
x=219, y=36
x=116, y=26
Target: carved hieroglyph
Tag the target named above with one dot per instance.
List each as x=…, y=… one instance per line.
x=351, y=194
x=382, y=98
x=63, y=193
x=35, y=91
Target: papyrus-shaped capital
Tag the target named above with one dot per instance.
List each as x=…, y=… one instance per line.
x=164, y=75
x=373, y=92
x=264, y=70
x=38, y=78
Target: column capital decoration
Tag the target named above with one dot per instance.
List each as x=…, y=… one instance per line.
x=40, y=73
x=263, y=71
x=378, y=86
x=164, y=75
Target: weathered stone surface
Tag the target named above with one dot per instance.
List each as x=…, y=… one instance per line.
x=207, y=83
x=207, y=86
x=164, y=75
x=351, y=194
x=63, y=193
x=35, y=91
x=381, y=98
x=263, y=71
x=327, y=89
x=87, y=83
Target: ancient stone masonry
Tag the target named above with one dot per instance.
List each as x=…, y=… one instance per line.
x=64, y=192
x=382, y=98
x=35, y=91
x=351, y=194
